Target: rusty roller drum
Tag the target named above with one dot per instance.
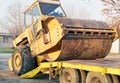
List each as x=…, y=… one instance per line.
x=82, y=40
x=84, y=49
x=81, y=49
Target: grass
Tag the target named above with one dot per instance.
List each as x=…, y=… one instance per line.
x=6, y=50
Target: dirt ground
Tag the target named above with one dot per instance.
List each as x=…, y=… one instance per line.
x=7, y=76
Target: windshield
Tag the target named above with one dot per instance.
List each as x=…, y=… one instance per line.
x=51, y=9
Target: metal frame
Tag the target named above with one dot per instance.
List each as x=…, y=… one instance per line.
x=59, y=65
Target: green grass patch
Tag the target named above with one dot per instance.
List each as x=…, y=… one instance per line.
x=6, y=50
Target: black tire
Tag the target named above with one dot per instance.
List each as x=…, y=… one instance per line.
x=25, y=63
x=114, y=79
x=82, y=75
x=96, y=77
x=69, y=76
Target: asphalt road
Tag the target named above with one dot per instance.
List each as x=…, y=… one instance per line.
x=3, y=61
x=7, y=76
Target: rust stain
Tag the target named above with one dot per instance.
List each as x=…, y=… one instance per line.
x=85, y=39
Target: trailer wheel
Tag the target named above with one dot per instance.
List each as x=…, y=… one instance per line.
x=22, y=61
x=82, y=76
x=114, y=79
x=69, y=76
x=96, y=77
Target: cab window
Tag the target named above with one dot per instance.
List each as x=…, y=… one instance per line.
x=28, y=18
x=52, y=9
x=36, y=13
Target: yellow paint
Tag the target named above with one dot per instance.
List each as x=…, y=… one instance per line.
x=43, y=1
x=10, y=64
x=19, y=38
x=115, y=71
x=53, y=36
x=103, y=70
x=30, y=37
x=32, y=73
x=17, y=61
x=35, y=71
x=116, y=34
x=53, y=24
x=53, y=55
x=39, y=25
x=40, y=59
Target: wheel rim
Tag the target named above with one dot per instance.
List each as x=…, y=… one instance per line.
x=67, y=77
x=17, y=61
x=97, y=77
x=95, y=80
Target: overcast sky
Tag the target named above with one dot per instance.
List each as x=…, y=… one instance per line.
x=4, y=4
x=86, y=9
x=92, y=7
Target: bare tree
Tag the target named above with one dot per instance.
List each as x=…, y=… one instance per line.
x=81, y=13
x=14, y=20
x=112, y=11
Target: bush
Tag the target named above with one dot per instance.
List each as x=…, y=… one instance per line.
x=6, y=50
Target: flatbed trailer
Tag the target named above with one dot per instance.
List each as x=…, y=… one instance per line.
x=105, y=70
